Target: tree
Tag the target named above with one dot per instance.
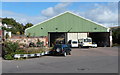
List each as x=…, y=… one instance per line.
x=18, y=33
x=28, y=35
x=9, y=21
x=116, y=35
x=16, y=26
x=28, y=25
x=6, y=36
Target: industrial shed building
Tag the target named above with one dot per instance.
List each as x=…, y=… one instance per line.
x=69, y=26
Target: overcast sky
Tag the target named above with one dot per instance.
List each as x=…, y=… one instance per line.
x=105, y=13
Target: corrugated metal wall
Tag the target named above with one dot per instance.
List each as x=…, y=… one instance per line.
x=76, y=36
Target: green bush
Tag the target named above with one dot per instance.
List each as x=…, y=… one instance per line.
x=9, y=49
x=20, y=51
x=39, y=43
x=31, y=50
x=116, y=44
x=116, y=35
x=9, y=57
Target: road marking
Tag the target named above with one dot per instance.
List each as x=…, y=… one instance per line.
x=17, y=66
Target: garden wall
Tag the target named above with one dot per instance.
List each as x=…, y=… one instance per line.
x=26, y=40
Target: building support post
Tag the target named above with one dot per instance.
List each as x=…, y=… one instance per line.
x=49, y=39
x=111, y=43
x=65, y=38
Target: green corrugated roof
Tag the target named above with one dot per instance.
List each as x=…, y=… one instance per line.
x=67, y=22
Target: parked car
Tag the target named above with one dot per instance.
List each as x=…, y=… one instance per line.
x=61, y=49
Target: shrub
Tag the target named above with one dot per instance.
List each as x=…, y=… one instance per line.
x=116, y=44
x=8, y=49
x=7, y=36
x=33, y=50
x=20, y=51
x=11, y=48
x=9, y=57
x=31, y=44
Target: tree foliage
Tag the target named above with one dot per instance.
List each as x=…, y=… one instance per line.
x=116, y=35
x=28, y=25
x=9, y=48
x=7, y=36
x=16, y=26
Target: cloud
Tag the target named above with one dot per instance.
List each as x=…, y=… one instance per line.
x=48, y=12
x=52, y=11
x=45, y=14
x=103, y=14
x=106, y=15
x=21, y=18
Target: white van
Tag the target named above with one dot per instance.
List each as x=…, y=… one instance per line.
x=73, y=43
x=85, y=42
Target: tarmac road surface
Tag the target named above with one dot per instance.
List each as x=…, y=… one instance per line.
x=82, y=60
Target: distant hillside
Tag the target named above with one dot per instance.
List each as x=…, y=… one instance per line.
x=116, y=34
x=114, y=27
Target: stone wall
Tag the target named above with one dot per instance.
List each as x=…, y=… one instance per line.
x=26, y=40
